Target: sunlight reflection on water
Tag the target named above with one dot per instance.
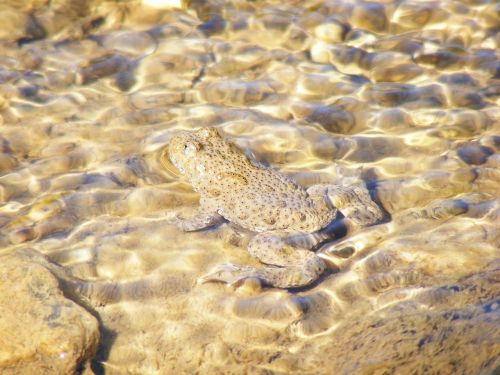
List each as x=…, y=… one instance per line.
x=401, y=95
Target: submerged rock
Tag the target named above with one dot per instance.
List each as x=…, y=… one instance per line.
x=474, y=154
x=43, y=332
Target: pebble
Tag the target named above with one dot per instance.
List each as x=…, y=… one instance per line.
x=125, y=80
x=442, y=60
x=370, y=16
x=415, y=15
x=474, y=154
x=215, y=25
x=332, y=118
x=466, y=98
x=102, y=68
x=129, y=42
x=142, y=101
x=371, y=149
x=7, y=161
x=149, y=116
x=237, y=92
x=459, y=79
x=395, y=73
x=394, y=119
x=331, y=32
x=390, y=95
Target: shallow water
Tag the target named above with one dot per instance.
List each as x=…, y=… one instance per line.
x=402, y=95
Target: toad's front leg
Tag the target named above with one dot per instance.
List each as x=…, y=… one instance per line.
x=288, y=262
x=205, y=217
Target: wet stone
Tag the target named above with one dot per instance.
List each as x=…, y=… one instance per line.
x=430, y=96
x=458, y=79
x=491, y=91
x=164, y=31
x=296, y=38
x=370, y=16
x=142, y=101
x=386, y=59
x=391, y=95
x=330, y=32
x=349, y=55
x=344, y=252
x=459, y=41
x=417, y=14
x=10, y=22
x=413, y=16
x=394, y=118
x=333, y=149
x=32, y=59
x=332, y=119
x=215, y=25
x=33, y=31
x=237, y=92
x=239, y=25
x=464, y=123
x=369, y=149
x=7, y=161
x=29, y=91
x=467, y=99
x=323, y=86
x=482, y=58
x=125, y=80
x=103, y=68
x=131, y=42
x=158, y=64
x=236, y=60
x=149, y=116
x=474, y=154
x=8, y=76
x=398, y=44
x=62, y=336
x=274, y=308
x=441, y=60
x=21, y=235
x=397, y=73
x=57, y=80
x=492, y=141
x=276, y=22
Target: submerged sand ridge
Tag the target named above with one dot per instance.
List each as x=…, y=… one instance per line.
x=401, y=95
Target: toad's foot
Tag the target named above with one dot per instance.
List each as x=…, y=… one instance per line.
x=226, y=273
x=279, y=277
x=200, y=221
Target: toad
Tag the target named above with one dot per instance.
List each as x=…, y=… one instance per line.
x=287, y=218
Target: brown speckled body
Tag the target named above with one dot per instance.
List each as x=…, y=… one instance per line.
x=244, y=192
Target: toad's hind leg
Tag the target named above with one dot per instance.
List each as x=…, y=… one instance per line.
x=288, y=263
x=355, y=203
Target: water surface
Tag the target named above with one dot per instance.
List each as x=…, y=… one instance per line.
x=402, y=95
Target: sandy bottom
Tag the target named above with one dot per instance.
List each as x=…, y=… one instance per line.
x=404, y=96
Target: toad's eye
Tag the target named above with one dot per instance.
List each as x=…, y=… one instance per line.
x=190, y=148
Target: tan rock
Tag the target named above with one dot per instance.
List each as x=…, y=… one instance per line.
x=43, y=332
